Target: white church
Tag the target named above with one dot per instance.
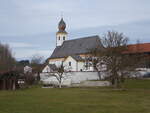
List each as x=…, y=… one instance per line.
x=72, y=53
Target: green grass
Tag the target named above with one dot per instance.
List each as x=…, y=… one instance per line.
x=136, y=99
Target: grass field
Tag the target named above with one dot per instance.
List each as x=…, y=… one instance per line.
x=136, y=99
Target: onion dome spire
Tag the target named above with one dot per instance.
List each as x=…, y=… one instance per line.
x=61, y=35
x=61, y=25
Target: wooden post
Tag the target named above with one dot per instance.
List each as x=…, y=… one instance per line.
x=14, y=84
x=4, y=84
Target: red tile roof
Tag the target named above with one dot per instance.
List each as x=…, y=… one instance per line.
x=138, y=48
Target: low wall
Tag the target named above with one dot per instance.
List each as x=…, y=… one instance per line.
x=78, y=77
x=92, y=84
x=71, y=77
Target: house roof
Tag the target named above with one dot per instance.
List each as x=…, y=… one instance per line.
x=52, y=66
x=138, y=48
x=76, y=46
x=77, y=58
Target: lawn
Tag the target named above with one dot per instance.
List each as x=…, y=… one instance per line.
x=136, y=99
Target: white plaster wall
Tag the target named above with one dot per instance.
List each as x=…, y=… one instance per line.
x=27, y=69
x=46, y=69
x=73, y=77
x=91, y=68
x=73, y=66
x=78, y=77
x=80, y=65
x=60, y=42
x=47, y=79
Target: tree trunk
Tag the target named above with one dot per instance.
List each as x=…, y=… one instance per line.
x=4, y=84
x=38, y=76
x=14, y=85
x=10, y=84
x=116, y=82
x=99, y=75
x=60, y=84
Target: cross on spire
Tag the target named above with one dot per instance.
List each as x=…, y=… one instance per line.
x=61, y=14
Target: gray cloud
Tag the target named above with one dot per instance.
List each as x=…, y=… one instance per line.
x=33, y=16
x=35, y=21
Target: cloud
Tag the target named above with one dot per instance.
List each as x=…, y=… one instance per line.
x=23, y=23
x=21, y=45
x=19, y=17
x=28, y=53
x=46, y=41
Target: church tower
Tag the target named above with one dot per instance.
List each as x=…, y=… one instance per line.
x=61, y=35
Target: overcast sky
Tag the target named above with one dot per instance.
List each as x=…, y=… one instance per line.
x=29, y=26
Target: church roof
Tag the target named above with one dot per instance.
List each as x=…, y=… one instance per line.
x=77, y=57
x=76, y=46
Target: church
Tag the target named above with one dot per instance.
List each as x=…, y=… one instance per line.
x=72, y=53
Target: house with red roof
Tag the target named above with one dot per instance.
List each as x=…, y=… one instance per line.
x=140, y=49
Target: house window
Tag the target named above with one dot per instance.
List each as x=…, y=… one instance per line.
x=63, y=38
x=59, y=38
x=69, y=63
x=86, y=65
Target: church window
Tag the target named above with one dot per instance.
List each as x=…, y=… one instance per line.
x=69, y=63
x=86, y=65
x=63, y=38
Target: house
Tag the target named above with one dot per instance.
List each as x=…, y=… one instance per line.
x=73, y=53
x=140, y=49
x=27, y=69
x=49, y=68
x=143, y=48
x=8, y=80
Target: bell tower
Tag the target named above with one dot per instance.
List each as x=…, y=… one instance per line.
x=61, y=35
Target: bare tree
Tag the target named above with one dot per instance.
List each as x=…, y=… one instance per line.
x=60, y=74
x=29, y=79
x=95, y=60
x=36, y=59
x=7, y=61
x=118, y=64
x=9, y=73
x=37, y=65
